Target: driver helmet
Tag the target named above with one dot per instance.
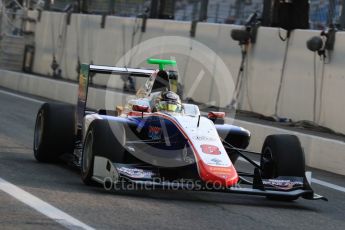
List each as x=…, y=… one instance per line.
x=168, y=101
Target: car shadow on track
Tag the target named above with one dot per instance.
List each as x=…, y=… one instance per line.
x=62, y=177
x=208, y=197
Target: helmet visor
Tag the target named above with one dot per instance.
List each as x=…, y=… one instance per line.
x=168, y=106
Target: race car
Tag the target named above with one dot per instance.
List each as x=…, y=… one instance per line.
x=157, y=140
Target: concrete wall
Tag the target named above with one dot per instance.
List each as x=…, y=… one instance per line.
x=321, y=153
x=56, y=90
x=106, y=46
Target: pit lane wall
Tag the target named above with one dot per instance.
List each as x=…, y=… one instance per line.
x=85, y=38
x=321, y=153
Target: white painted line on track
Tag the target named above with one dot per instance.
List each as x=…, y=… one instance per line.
x=43, y=207
x=313, y=180
x=328, y=185
x=21, y=97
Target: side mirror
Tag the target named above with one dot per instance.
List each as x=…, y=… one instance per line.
x=216, y=117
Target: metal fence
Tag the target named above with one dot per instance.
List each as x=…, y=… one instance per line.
x=322, y=12
x=128, y=8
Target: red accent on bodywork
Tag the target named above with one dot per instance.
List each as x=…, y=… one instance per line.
x=225, y=176
x=210, y=149
x=141, y=108
x=154, y=129
x=214, y=115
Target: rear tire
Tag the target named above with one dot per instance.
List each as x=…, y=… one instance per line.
x=282, y=155
x=106, y=139
x=54, y=131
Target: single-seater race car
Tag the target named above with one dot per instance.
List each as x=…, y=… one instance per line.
x=156, y=140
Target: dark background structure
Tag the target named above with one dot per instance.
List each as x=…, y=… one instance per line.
x=322, y=13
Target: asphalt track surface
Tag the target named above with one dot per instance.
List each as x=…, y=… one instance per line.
x=61, y=187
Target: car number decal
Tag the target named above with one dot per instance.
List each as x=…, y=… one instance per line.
x=210, y=149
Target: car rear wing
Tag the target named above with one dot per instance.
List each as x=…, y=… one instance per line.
x=128, y=71
x=120, y=71
x=87, y=71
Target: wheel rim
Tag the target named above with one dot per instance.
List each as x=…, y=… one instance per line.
x=267, y=155
x=266, y=162
x=87, y=152
x=38, y=131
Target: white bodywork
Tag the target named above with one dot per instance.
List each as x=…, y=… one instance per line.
x=88, y=119
x=103, y=170
x=207, y=134
x=199, y=133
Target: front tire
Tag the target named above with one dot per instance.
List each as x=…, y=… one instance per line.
x=282, y=155
x=105, y=139
x=54, y=131
x=88, y=158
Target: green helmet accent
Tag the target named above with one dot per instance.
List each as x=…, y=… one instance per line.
x=162, y=63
